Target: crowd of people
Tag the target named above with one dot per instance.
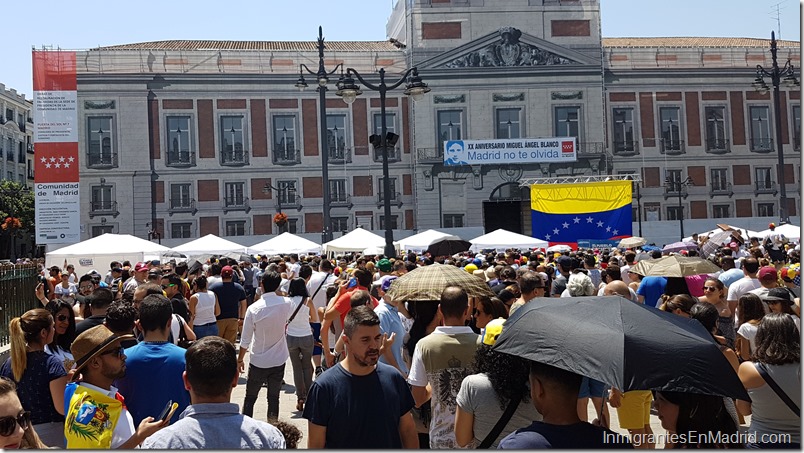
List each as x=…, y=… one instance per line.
x=148, y=354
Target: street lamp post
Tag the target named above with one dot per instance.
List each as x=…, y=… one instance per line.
x=416, y=89
x=787, y=74
x=677, y=186
x=322, y=77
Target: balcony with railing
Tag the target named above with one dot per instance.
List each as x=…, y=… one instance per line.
x=626, y=148
x=761, y=145
x=103, y=207
x=672, y=147
x=765, y=187
x=31, y=174
x=29, y=148
x=341, y=200
x=430, y=155
x=182, y=205
x=102, y=160
x=393, y=154
x=234, y=158
x=287, y=156
x=180, y=159
x=396, y=198
x=673, y=191
x=590, y=149
x=721, y=189
x=289, y=201
x=339, y=155
x=717, y=145
x=235, y=204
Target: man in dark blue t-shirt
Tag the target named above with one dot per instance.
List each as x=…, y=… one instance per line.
x=360, y=403
x=554, y=393
x=232, y=299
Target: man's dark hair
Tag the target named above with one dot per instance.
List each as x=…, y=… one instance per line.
x=529, y=282
x=326, y=266
x=174, y=280
x=363, y=277
x=181, y=268
x=454, y=302
x=359, y=316
x=294, y=256
x=114, y=264
x=101, y=298
x=359, y=298
x=508, y=274
x=155, y=312
x=271, y=281
x=751, y=265
x=84, y=278
x=567, y=381
x=727, y=262
x=215, y=269
x=589, y=260
x=656, y=254
x=150, y=288
x=630, y=257
x=211, y=366
x=614, y=272
x=120, y=317
x=305, y=271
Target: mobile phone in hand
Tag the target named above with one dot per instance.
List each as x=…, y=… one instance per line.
x=164, y=414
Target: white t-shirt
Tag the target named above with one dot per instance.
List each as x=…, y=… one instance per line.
x=300, y=326
x=749, y=332
x=320, y=299
x=741, y=287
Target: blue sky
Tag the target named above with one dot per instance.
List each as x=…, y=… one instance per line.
x=90, y=23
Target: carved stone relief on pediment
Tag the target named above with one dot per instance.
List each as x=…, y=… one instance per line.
x=508, y=51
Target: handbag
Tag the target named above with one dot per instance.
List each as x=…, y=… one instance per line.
x=778, y=390
x=183, y=341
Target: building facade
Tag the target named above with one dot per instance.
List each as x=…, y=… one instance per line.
x=16, y=137
x=186, y=138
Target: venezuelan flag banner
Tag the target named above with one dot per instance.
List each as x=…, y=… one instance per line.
x=564, y=213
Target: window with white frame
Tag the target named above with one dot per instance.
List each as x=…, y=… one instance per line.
x=394, y=224
x=452, y=220
x=339, y=224
x=763, y=178
x=235, y=227
x=99, y=230
x=766, y=209
x=390, y=127
x=671, y=128
x=567, y=121
x=337, y=138
x=450, y=126
x=623, y=121
x=181, y=230
x=179, y=140
x=288, y=194
x=235, y=193
x=509, y=122
x=381, y=188
x=233, y=147
x=180, y=197
x=101, y=142
x=285, y=144
x=337, y=190
x=102, y=198
x=720, y=211
x=760, y=128
x=716, y=128
x=719, y=179
x=674, y=212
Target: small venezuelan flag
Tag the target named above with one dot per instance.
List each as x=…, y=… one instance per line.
x=565, y=213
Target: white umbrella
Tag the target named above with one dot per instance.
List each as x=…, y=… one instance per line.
x=634, y=241
x=559, y=248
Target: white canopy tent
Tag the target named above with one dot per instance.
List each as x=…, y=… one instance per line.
x=744, y=232
x=793, y=232
x=284, y=243
x=419, y=242
x=210, y=245
x=355, y=241
x=503, y=239
x=99, y=252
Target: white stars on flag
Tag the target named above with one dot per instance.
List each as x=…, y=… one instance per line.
x=565, y=225
x=44, y=160
x=47, y=165
x=52, y=159
x=57, y=165
x=608, y=229
x=57, y=162
x=614, y=232
x=555, y=230
x=600, y=224
x=577, y=220
x=61, y=159
x=71, y=159
x=589, y=220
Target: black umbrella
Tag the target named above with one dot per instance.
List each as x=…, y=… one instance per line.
x=624, y=344
x=446, y=247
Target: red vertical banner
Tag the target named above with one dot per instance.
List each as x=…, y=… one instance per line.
x=58, y=212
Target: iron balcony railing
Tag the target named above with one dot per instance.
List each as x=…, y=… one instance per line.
x=717, y=145
x=396, y=198
x=287, y=156
x=764, y=187
x=761, y=145
x=339, y=155
x=236, y=204
x=626, y=148
x=182, y=205
x=393, y=154
x=102, y=160
x=340, y=200
x=103, y=208
x=721, y=189
x=672, y=147
x=180, y=159
x=234, y=158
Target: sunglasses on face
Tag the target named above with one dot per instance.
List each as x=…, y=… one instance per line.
x=61, y=318
x=710, y=288
x=168, y=286
x=114, y=351
x=84, y=287
x=8, y=424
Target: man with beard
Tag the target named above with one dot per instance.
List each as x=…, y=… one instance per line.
x=361, y=403
x=96, y=417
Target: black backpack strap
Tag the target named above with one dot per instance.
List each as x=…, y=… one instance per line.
x=504, y=419
x=773, y=385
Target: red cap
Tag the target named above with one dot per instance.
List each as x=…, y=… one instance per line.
x=767, y=273
x=227, y=272
x=140, y=267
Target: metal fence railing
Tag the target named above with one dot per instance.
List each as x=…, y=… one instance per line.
x=17, y=285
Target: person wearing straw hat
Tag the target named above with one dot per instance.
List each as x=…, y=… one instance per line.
x=96, y=415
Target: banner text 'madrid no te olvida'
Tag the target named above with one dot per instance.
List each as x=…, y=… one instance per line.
x=510, y=151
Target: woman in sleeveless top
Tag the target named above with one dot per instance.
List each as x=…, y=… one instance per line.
x=750, y=312
x=204, y=307
x=300, y=339
x=715, y=294
x=777, y=353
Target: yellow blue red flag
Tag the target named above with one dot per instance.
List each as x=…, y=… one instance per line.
x=564, y=213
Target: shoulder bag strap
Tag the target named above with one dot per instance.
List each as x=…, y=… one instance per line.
x=311, y=298
x=766, y=376
x=320, y=285
x=504, y=419
x=303, y=302
x=182, y=333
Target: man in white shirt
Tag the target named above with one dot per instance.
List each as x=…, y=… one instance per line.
x=745, y=284
x=317, y=284
x=264, y=332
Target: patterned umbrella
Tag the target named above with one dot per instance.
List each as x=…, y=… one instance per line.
x=679, y=246
x=675, y=266
x=633, y=241
x=427, y=283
